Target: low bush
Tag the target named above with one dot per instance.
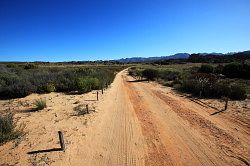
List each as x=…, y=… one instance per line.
x=81, y=110
x=237, y=70
x=205, y=87
x=12, y=65
x=168, y=83
x=30, y=66
x=150, y=74
x=131, y=73
x=218, y=69
x=16, y=88
x=8, y=129
x=135, y=72
x=169, y=75
x=206, y=69
x=49, y=87
x=40, y=104
x=86, y=84
x=237, y=93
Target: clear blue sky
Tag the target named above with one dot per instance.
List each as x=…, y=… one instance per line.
x=65, y=30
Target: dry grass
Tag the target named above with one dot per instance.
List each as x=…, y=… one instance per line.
x=40, y=104
x=9, y=129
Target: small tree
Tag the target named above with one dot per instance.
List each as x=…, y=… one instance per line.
x=150, y=74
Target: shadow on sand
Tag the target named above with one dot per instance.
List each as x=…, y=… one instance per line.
x=138, y=80
x=217, y=112
x=46, y=150
x=90, y=100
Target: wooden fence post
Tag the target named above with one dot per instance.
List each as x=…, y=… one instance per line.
x=97, y=95
x=61, y=140
x=87, y=108
x=102, y=90
x=226, y=103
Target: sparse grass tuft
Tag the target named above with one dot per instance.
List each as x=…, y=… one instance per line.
x=8, y=129
x=40, y=104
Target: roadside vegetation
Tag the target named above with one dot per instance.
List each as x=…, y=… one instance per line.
x=209, y=81
x=8, y=129
x=20, y=80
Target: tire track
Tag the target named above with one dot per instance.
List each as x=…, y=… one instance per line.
x=117, y=139
x=157, y=153
x=222, y=139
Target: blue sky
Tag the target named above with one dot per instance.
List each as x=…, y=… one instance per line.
x=65, y=30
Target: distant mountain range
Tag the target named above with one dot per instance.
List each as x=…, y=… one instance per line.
x=150, y=59
x=183, y=56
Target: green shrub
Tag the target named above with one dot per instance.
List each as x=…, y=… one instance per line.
x=40, y=104
x=169, y=75
x=49, y=87
x=86, y=84
x=150, y=74
x=237, y=70
x=135, y=72
x=210, y=87
x=8, y=128
x=206, y=68
x=237, y=93
x=17, y=88
x=65, y=84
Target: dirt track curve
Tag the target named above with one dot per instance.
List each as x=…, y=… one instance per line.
x=141, y=123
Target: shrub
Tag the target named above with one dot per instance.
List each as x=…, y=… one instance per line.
x=40, y=104
x=8, y=128
x=86, y=84
x=17, y=88
x=169, y=75
x=206, y=68
x=150, y=74
x=12, y=65
x=168, y=83
x=237, y=70
x=135, y=72
x=210, y=87
x=80, y=109
x=49, y=87
x=30, y=66
x=131, y=72
x=237, y=93
x=65, y=84
x=218, y=69
x=95, y=83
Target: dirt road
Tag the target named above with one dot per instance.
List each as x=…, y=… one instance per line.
x=141, y=123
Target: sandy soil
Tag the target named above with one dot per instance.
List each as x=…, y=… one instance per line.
x=134, y=123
